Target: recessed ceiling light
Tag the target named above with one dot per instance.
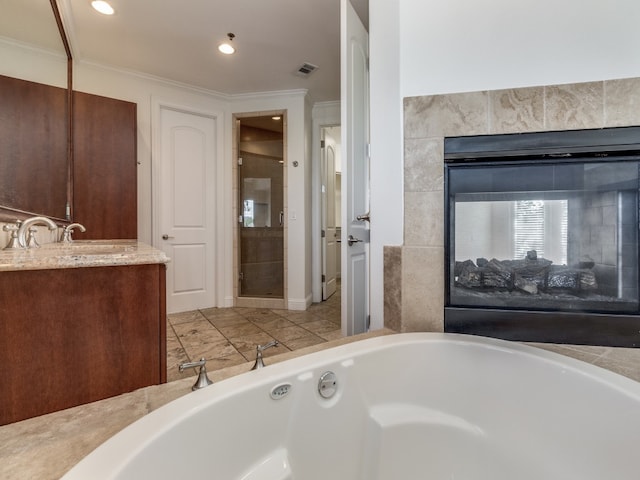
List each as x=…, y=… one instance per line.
x=102, y=7
x=226, y=47
x=276, y=118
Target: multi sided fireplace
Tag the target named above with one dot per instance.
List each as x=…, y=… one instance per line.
x=541, y=236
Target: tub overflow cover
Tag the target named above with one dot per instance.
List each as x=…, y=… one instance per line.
x=327, y=385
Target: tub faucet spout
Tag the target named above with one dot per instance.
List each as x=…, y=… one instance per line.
x=30, y=222
x=259, y=349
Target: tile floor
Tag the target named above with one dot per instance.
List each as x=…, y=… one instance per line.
x=229, y=336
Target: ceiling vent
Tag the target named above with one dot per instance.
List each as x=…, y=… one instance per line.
x=306, y=69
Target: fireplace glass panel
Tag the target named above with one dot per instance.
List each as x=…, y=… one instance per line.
x=544, y=235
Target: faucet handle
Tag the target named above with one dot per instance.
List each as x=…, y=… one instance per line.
x=203, y=379
x=259, y=349
x=12, y=228
x=31, y=239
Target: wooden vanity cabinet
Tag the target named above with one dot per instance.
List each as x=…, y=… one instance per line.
x=104, y=167
x=71, y=336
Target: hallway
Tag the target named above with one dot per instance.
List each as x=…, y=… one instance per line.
x=229, y=336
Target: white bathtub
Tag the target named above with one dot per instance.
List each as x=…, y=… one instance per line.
x=427, y=406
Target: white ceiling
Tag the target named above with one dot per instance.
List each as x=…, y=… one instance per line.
x=177, y=40
x=30, y=22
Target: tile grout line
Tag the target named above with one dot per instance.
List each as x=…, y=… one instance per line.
x=328, y=313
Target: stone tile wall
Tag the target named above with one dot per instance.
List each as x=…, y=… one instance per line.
x=418, y=266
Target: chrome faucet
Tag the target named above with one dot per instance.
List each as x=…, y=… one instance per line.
x=203, y=379
x=259, y=349
x=68, y=230
x=29, y=222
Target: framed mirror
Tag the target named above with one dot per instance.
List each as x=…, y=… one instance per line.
x=35, y=112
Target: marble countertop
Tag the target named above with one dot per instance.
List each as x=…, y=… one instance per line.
x=81, y=253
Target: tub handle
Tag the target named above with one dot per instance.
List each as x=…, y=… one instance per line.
x=203, y=379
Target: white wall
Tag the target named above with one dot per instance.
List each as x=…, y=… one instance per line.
x=466, y=45
x=423, y=47
x=19, y=61
x=386, y=172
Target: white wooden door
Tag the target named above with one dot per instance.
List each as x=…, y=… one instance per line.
x=329, y=243
x=187, y=207
x=355, y=171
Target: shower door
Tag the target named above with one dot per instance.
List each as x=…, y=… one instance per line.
x=261, y=210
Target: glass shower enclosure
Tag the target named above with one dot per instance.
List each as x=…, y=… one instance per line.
x=260, y=207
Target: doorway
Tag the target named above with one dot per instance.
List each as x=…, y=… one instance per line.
x=260, y=209
x=331, y=209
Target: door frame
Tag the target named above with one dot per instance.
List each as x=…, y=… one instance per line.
x=279, y=303
x=157, y=104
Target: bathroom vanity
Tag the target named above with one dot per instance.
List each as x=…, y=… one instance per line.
x=80, y=323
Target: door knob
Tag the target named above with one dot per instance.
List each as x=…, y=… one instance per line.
x=364, y=217
x=351, y=240
x=166, y=237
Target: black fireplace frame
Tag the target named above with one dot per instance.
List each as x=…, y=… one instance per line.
x=545, y=326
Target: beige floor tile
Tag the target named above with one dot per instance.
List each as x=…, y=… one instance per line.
x=246, y=310
x=320, y=326
x=304, y=342
x=275, y=324
x=262, y=316
x=171, y=336
x=197, y=333
x=221, y=348
x=250, y=342
x=234, y=319
x=332, y=335
x=287, y=334
x=325, y=312
x=226, y=361
x=218, y=312
x=625, y=361
x=185, y=317
x=301, y=317
x=240, y=330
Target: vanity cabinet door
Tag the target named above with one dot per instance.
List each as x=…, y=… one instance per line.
x=105, y=167
x=76, y=335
